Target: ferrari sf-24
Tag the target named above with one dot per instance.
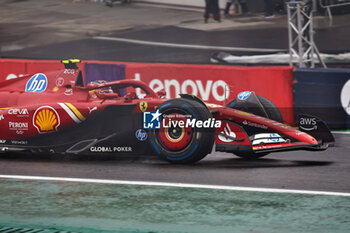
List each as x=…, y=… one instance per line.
x=56, y=113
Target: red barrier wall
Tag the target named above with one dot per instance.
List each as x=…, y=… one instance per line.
x=207, y=81
x=12, y=68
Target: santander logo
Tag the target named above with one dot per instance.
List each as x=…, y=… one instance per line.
x=206, y=89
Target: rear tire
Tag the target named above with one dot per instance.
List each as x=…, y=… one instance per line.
x=183, y=145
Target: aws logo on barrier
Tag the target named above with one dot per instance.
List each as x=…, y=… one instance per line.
x=206, y=89
x=37, y=83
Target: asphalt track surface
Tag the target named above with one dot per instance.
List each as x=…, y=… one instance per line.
x=61, y=29
x=46, y=33
x=40, y=194
x=91, y=48
x=302, y=170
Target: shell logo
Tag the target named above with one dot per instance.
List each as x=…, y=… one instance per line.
x=46, y=119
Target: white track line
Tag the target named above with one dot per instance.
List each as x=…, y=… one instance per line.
x=179, y=185
x=188, y=46
x=340, y=132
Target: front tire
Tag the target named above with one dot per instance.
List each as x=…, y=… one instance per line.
x=273, y=114
x=182, y=145
x=272, y=111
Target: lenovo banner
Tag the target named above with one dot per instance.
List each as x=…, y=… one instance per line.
x=213, y=83
x=217, y=83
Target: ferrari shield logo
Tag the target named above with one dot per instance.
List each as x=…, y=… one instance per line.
x=143, y=106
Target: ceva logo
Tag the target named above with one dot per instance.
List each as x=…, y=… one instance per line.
x=37, y=83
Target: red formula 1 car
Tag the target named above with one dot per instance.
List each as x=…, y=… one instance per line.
x=54, y=112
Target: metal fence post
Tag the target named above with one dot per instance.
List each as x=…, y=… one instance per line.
x=302, y=48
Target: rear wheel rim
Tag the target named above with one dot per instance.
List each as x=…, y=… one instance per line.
x=171, y=135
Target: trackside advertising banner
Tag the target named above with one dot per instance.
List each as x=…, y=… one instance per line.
x=324, y=93
x=212, y=83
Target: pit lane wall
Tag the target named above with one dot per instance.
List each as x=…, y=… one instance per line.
x=212, y=83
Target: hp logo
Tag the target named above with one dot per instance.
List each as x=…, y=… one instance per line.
x=37, y=83
x=141, y=135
